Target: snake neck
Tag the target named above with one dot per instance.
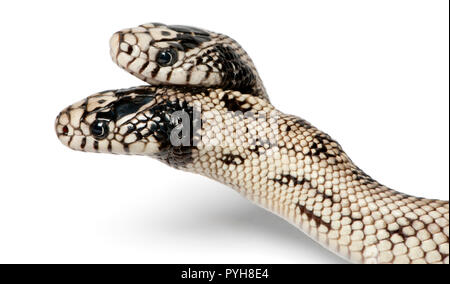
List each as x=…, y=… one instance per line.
x=238, y=70
x=300, y=173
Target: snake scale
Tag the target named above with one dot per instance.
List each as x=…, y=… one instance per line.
x=206, y=111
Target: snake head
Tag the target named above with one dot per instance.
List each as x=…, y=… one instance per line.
x=138, y=121
x=181, y=55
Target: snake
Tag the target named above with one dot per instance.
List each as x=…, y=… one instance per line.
x=202, y=119
x=185, y=56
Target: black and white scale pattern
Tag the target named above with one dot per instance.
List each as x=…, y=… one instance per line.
x=204, y=58
x=300, y=173
x=281, y=163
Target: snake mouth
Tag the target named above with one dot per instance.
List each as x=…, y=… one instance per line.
x=62, y=124
x=63, y=129
x=126, y=52
x=129, y=57
x=114, y=44
x=69, y=135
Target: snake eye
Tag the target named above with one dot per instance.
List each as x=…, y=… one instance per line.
x=100, y=128
x=166, y=57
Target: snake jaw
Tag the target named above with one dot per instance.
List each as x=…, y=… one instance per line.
x=128, y=121
x=114, y=43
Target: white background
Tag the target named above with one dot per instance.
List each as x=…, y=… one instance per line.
x=373, y=74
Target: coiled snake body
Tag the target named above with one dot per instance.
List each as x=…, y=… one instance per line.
x=207, y=112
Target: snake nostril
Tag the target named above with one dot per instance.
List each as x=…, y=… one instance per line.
x=65, y=130
x=130, y=49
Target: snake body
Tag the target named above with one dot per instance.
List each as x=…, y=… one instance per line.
x=229, y=131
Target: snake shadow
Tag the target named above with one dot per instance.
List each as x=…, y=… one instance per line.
x=231, y=214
